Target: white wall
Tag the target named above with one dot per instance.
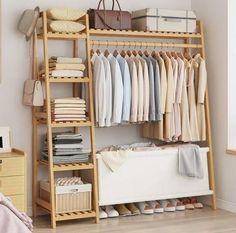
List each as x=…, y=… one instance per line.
x=231, y=74
x=15, y=54
x=214, y=15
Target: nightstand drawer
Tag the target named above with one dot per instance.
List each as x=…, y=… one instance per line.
x=18, y=201
x=12, y=185
x=13, y=166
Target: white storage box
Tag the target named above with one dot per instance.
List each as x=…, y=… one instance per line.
x=147, y=176
x=164, y=20
x=69, y=198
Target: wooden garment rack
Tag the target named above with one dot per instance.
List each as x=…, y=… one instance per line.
x=44, y=118
x=185, y=41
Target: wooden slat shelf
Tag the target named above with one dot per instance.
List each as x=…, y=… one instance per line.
x=146, y=34
x=71, y=124
x=68, y=80
x=63, y=36
x=75, y=215
x=69, y=166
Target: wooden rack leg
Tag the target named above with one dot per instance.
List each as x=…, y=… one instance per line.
x=209, y=135
x=92, y=133
x=49, y=123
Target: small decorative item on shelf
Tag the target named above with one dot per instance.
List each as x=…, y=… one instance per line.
x=164, y=20
x=65, y=20
x=109, y=19
x=72, y=194
x=5, y=141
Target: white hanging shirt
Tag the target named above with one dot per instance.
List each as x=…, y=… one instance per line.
x=108, y=84
x=99, y=89
x=117, y=89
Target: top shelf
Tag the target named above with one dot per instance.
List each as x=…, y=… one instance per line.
x=140, y=34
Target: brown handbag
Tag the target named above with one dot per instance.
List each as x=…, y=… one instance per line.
x=109, y=19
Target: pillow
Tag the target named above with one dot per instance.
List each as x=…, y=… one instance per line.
x=66, y=26
x=65, y=14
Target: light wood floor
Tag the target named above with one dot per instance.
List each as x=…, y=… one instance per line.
x=197, y=221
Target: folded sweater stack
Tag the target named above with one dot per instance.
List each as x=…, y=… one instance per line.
x=65, y=67
x=68, y=109
x=67, y=148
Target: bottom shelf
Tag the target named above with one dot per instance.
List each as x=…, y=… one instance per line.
x=75, y=215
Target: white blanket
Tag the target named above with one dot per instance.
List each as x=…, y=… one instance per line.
x=114, y=159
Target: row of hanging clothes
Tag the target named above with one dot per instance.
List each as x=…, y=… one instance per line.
x=165, y=90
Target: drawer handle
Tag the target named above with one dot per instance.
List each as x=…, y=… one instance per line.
x=0, y=161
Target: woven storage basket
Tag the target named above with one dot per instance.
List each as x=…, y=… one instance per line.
x=71, y=198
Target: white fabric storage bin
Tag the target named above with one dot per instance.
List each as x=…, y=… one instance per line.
x=147, y=176
x=70, y=198
x=164, y=20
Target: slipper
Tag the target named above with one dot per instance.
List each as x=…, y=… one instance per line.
x=156, y=206
x=178, y=204
x=168, y=207
x=111, y=212
x=122, y=210
x=102, y=213
x=145, y=208
x=134, y=210
x=187, y=203
x=196, y=204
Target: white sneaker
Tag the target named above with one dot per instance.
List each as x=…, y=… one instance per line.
x=168, y=207
x=145, y=208
x=156, y=206
x=111, y=212
x=102, y=213
x=178, y=204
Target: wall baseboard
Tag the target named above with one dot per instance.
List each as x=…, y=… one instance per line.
x=226, y=205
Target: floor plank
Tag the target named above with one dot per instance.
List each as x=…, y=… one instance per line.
x=197, y=221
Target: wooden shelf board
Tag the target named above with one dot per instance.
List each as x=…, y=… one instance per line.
x=75, y=215
x=231, y=151
x=130, y=33
x=68, y=79
x=71, y=124
x=46, y=205
x=68, y=166
x=63, y=36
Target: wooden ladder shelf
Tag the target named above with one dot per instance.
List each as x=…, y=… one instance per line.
x=45, y=118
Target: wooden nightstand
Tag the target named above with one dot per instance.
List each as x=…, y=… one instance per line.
x=13, y=177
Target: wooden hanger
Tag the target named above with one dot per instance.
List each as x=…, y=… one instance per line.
x=174, y=54
x=180, y=55
x=140, y=53
x=106, y=53
x=146, y=53
x=129, y=53
x=154, y=55
x=168, y=54
x=134, y=52
x=91, y=52
x=115, y=53
x=123, y=53
x=187, y=56
x=98, y=51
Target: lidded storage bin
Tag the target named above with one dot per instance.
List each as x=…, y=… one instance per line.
x=164, y=20
x=69, y=198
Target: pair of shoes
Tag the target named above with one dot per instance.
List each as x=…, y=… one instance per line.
x=156, y=206
x=107, y=212
x=172, y=205
x=192, y=203
x=145, y=208
x=127, y=210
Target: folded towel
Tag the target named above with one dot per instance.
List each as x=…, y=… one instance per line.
x=190, y=163
x=57, y=66
x=114, y=159
x=66, y=60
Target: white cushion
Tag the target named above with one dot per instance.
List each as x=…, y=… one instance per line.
x=66, y=26
x=65, y=14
